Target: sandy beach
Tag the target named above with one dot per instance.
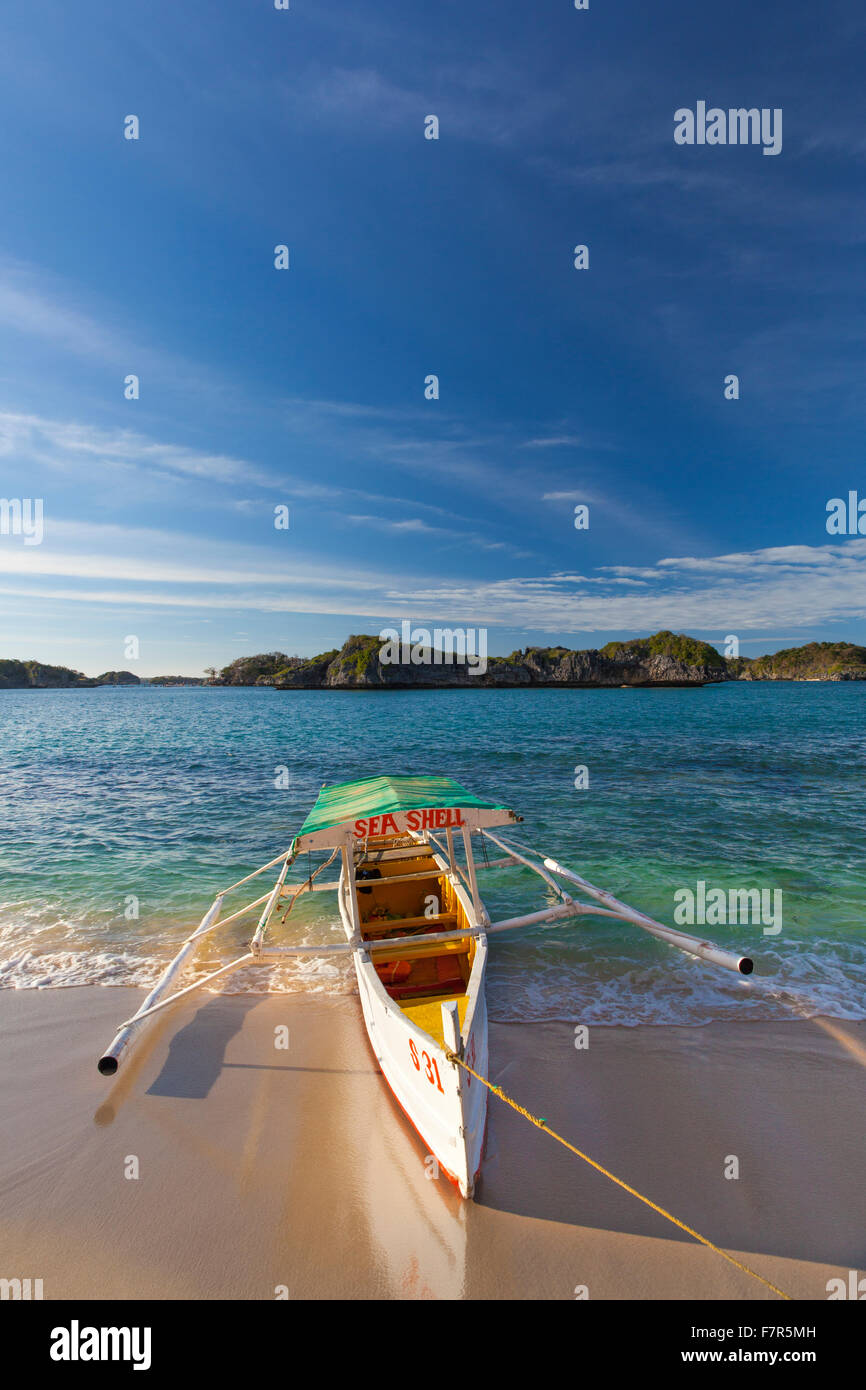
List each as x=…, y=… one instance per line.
x=262, y=1169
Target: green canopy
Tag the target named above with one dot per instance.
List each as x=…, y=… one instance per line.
x=378, y=796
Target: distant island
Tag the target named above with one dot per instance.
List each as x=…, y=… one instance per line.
x=35, y=675
x=665, y=659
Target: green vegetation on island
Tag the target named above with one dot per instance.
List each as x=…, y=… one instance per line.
x=35, y=675
x=816, y=661
x=176, y=680
x=251, y=670
x=690, y=650
x=118, y=678
x=269, y=668
x=665, y=658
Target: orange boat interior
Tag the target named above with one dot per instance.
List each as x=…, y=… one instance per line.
x=402, y=892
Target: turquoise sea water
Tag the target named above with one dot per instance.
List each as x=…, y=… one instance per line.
x=166, y=796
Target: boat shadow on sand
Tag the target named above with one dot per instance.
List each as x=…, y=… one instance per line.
x=197, y=1052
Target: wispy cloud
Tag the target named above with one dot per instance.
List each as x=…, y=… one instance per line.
x=750, y=591
x=381, y=523
x=68, y=444
x=112, y=552
x=569, y=495
x=352, y=410
x=36, y=303
x=799, y=586
x=455, y=535
x=490, y=102
x=560, y=441
x=76, y=448
x=25, y=308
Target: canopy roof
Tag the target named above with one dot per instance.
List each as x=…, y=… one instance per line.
x=342, y=806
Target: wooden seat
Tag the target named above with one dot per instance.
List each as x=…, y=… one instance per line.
x=420, y=951
x=386, y=926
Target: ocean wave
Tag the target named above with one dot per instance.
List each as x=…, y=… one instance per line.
x=551, y=987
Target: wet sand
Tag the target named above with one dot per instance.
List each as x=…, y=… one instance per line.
x=262, y=1169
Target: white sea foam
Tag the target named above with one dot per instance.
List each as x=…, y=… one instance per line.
x=533, y=984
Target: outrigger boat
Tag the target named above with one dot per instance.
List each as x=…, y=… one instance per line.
x=417, y=930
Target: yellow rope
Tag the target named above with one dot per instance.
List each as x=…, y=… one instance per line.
x=542, y=1124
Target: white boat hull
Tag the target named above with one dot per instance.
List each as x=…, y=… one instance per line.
x=447, y=1108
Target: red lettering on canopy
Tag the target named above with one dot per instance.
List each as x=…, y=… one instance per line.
x=433, y=818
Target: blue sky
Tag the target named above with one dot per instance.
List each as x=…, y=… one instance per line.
x=409, y=257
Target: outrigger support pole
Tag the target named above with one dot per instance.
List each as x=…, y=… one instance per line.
x=145, y=1012
x=273, y=899
x=110, y=1059
x=691, y=945
x=128, y=1031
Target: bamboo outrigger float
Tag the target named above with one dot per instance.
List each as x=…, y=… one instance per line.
x=417, y=930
